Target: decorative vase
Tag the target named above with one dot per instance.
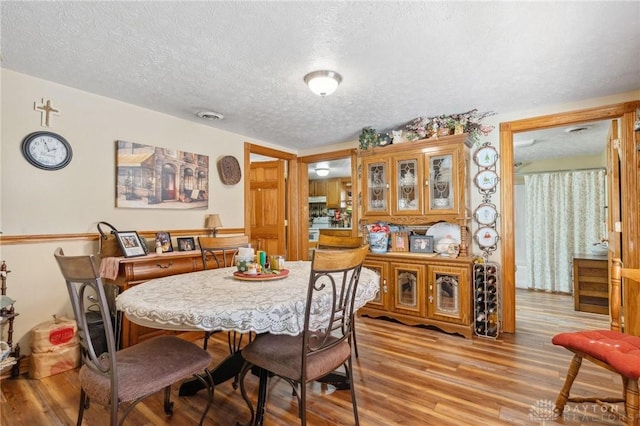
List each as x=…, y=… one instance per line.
x=443, y=131
x=378, y=242
x=458, y=130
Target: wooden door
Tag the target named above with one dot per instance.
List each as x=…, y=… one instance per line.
x=267, y=207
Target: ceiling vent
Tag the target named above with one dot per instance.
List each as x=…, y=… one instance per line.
x=210, y=115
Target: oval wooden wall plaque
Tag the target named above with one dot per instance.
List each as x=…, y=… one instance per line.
x=229, y=170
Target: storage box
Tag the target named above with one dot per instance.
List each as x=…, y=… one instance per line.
x=49, y=363
x=53, y=335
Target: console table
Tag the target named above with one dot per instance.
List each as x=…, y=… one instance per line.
x=124, y=273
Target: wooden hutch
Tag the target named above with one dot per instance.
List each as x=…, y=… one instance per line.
x=416, y=184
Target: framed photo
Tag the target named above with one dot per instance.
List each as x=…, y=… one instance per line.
x=131, y=244
x=186, y=244
x=421, y=243
x=165, y=241
x=399, y=241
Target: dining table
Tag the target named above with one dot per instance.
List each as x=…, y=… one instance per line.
x=223, y=300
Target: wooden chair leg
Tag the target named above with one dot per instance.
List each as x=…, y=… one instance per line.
x=631, y=403
x=563, y=396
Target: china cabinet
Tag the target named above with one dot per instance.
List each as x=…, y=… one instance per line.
x=419, y=289
x=418, y=183
x=415, y=184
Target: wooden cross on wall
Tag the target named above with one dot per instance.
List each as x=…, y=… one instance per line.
x=45, y=111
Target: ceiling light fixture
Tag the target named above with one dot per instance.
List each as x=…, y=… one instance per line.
x=576, y=129
x=322, y=171
x=210, y=115
x=324, y=82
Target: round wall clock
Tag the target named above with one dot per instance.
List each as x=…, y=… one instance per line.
x=47, y=150
x=486, y=156
x=486, y=180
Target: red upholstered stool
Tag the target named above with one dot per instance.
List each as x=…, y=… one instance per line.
x=615, y=351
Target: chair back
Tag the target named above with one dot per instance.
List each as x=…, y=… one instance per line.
x=615, y=300
x=333, y=280
x=82, y=275
x=336, y=242
x=225, y=246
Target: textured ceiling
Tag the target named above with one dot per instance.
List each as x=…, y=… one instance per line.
x=398, y=60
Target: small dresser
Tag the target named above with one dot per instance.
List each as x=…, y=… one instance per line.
x=591, y=283
x=135, y=270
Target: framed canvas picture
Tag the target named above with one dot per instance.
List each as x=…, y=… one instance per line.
x=131, y=244
x=421, y=243
x=151, y=177
x=186, y=244
x=165, y=241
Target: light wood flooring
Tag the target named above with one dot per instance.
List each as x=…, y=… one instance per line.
x=404, y=376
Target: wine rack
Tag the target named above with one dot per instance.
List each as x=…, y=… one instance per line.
x=486, y=294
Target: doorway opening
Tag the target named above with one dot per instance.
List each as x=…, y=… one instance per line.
x=507, y=132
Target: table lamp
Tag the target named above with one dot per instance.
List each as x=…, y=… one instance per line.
x=212, y=222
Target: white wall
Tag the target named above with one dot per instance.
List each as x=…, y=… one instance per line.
x=72, y=200
x=520, y=213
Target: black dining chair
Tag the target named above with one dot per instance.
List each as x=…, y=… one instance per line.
x=127, y=376
x=322, y=347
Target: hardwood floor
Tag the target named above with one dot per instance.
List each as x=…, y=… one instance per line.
x=404, y=376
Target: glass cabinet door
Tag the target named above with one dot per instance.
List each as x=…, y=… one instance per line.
x=407, y=191
x=449, y=295
x=380, y=301
x=442, y=183
x=376, y=191
x=409, y=295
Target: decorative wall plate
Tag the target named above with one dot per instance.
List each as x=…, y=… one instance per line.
x=229, y=170
x=486, y=237
x=486, y=156
x=443, y=229
x=485, y=214
x=486, y=180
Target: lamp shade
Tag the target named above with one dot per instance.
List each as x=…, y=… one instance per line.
x=324, y=82
x=212, y=221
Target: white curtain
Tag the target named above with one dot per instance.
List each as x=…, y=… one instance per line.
x=565, y=215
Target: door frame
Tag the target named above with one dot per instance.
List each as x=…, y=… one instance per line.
x=626, y=112
x=292, y=203
x=303, y=193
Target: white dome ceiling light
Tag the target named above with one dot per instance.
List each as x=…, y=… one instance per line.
x=322, y=171
x=324, y=82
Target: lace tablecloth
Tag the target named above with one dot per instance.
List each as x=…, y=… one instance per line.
x=213, y=300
